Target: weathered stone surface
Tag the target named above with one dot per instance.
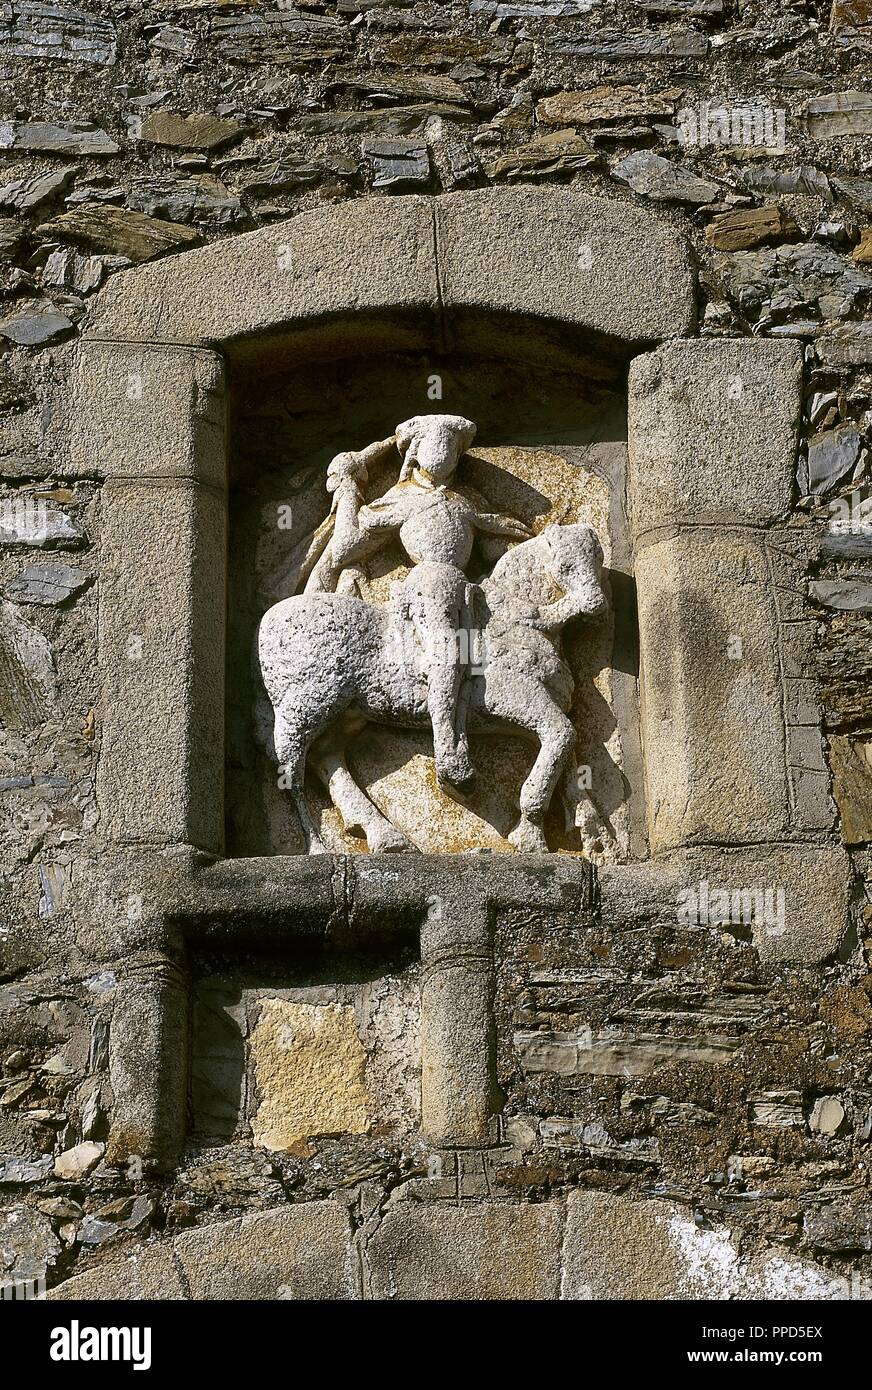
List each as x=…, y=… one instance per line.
x=29, y=1247
x=17, y=1170
x=662, y=180
x=294, y=1252
x=578, y=1054
x=832, y=455
x=808, y=279
x=619, y=48
x=150, y=1272
x=486, y=1251
x=375, y=255
x=309, y=1070
x=717, y=587
x=119, y=232
x=838, y=1230
x=290, y=172
x=31, y=194
x=147, y=411
x=620, y=1249
x=31, y=520
x=417, y=86
x=392, y=120
x=46, y=584
x=200, y=131
x=805, y=179
x=291, y=37
x=713, y=432
x=27, y=672
x=863, y=250
x=168, y=611
x=43, y=137
x=564, y=256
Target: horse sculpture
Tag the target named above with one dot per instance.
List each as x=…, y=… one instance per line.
x=332, y=662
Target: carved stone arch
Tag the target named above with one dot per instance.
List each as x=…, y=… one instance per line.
x=521, y=272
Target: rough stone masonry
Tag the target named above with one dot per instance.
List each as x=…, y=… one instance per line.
x=631, y=243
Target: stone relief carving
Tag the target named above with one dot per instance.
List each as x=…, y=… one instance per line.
x=445, y=652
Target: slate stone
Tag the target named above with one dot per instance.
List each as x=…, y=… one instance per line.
x=738, y=231
x=803, y=279
x=398, y=163
x=846, y=595
x=11, y=237
x=31, y=194
x=68, y=137
x=286, y=173
x=19, y=1170
x=559, y=152
x=605, y=104
x=119, y=232
x=663, y=181
x=57, y=32
x=420, y=86
x=805, y=179
x=200, y=198
x=200, y=131
x=851, y=763
x=831, y=457
x=34, y=521
x=396, y=120
x=48, y=585
x=839, y=113
x=34, y=329
x=286, y=36
x=616, y=47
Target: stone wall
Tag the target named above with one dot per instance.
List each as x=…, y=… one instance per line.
x=674, y=1108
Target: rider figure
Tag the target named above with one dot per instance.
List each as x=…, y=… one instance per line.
x=436, y=527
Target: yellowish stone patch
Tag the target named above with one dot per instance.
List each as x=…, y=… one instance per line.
x=309, y=1070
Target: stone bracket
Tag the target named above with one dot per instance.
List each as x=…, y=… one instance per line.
x=450, y=899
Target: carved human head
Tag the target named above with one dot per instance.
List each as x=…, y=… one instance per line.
x=433, y=444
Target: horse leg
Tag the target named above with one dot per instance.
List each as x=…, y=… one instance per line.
x=556, y=737
x=292, y=742
x=358, y=813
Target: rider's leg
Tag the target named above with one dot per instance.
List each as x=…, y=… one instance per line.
x=436, y=603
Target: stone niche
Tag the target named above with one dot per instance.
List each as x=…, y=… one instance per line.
x=551, y=448
x=212, y=392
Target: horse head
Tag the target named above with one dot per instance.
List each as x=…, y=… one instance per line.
x=558, y=574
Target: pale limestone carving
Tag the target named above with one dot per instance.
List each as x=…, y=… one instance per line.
x=444, y=651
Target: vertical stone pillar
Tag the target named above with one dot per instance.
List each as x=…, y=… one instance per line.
x=457, y=1030
x=148, y=1062
x=152, y=419
x=713, y=432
